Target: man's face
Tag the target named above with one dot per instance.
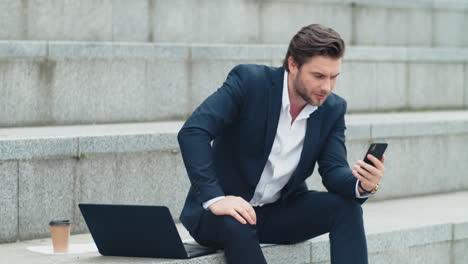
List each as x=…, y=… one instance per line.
x=315, y=79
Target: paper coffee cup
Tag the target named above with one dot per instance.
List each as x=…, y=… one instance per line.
x=60, y=232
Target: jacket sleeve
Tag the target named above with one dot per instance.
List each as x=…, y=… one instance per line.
x=206, y=123
x=336, y=174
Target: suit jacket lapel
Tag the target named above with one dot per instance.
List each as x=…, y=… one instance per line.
x=314, y=124
x=274, y=108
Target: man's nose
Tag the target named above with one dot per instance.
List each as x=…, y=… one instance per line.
x=326, y=86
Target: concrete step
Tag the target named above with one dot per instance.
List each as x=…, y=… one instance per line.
x=47, y=171
x=62, y=83
x=423, y=230
x=361, y=22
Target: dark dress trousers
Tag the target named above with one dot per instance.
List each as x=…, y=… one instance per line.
x=225, y=145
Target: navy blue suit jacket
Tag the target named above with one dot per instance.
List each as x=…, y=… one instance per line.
x=240, y=120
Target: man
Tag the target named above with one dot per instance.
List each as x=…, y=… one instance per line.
x=268, y=128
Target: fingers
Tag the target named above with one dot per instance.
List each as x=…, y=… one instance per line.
x=236, y=207
x=247, y=211
x=245, y=215
x=367, y=167
x=363, y=171
x=236, y=215
x=364, y=182
x=361, y=178
x=377, y=163
x=251, y=212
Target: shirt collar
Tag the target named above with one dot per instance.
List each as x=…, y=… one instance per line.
x=286, y=106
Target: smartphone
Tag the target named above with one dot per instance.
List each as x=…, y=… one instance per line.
x=377, y=150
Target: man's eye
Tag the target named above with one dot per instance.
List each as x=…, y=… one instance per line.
x=320, y=76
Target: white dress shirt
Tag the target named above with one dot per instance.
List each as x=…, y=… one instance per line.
x=285, y=154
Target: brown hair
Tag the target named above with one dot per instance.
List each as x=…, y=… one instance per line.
x=314, y=40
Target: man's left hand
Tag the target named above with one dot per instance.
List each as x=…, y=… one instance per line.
x=369, y=175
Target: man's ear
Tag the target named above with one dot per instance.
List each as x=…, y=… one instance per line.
x=292, y=65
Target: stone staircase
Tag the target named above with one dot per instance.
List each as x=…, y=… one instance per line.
x=93, y=93
x=405, y=231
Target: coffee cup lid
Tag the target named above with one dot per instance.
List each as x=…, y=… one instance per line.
x=60, y=223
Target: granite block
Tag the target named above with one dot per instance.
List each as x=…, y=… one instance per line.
x=23, y=49
x=12, y=149
x=151, y=178
x=434, y=253
x=320, y=249
x=85, y=20
x=392, y=89
x=88, y=91
x=208, y=75
x=239, y=52
x=41, y=15
x=131, y=20
x=8, y=201
x=96, y=184
x=419, y=27
x=435, y=86
x=460, y=5
x=448, y=24
x=391, y=256
x=395, y=3
x=357, y=84
x=376, y=53
x=430, y=253
x=423, y=175
x=355, y=131
x=410, y=128
x=465, y=82
x=293, y=254
x=129, y=51
x=437, y=55
x=128, y=143
x=455, y=157
x=374, y=26
x=26, y=93
x=280, y=20
x=460, y=231
x=206, y=21
x=460, y=254
x=167, y=91
x=46, y=192
x=401, y=238
x=11, y=19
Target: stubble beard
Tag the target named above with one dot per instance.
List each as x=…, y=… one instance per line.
x=301, y=91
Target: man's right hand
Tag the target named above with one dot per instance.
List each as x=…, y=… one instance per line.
x=236, y=207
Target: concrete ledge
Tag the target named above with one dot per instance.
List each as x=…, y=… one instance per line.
x=109, y=50
x=11, y=49
x=74, y=141
x=117, y=50
x=450, y=4
x=64, y=83
x=417, y=231
x=141, y=163
x=409, y=124
x=245, y=21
